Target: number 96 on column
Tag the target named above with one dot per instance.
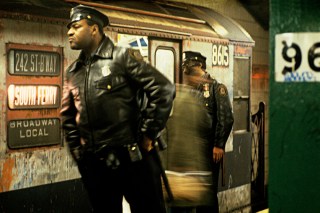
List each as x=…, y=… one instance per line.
x=297, y=57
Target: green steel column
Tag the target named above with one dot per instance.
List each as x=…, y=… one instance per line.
x=294, y=146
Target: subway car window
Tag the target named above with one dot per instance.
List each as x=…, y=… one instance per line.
x=136, y=42
x=164, y=56
x=241, y=94
x=241, y=75
x=165, y=62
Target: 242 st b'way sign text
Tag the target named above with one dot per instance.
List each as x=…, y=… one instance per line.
x=30, y=62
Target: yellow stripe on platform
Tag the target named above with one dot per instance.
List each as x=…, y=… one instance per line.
x=264, y=211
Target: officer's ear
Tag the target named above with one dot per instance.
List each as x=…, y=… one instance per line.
x=95, y=29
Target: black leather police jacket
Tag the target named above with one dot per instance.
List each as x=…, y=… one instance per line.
x=217, y=102
x=99, y=104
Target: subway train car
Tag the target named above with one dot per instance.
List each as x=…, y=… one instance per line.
x=37, y=174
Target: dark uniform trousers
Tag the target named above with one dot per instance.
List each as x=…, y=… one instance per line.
x=139, y=182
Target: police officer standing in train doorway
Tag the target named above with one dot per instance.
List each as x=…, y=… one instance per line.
x=213, y=96
x=108, y=137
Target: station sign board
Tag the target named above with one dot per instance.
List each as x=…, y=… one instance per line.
x=34, y=79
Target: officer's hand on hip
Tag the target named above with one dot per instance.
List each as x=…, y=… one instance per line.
x=217, y=154
x=146, y=143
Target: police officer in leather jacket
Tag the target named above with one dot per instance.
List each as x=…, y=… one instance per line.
x=108, y=137
x=213, y=96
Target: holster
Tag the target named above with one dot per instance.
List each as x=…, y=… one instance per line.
x=115, y=156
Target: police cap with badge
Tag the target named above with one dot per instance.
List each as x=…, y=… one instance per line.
x=85, y=12
x=192, y=58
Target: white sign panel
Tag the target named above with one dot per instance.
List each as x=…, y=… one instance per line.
x=33, y=96
x=297, y=57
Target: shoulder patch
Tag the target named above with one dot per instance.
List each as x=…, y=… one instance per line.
x=135, y=54
x=222, y=90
